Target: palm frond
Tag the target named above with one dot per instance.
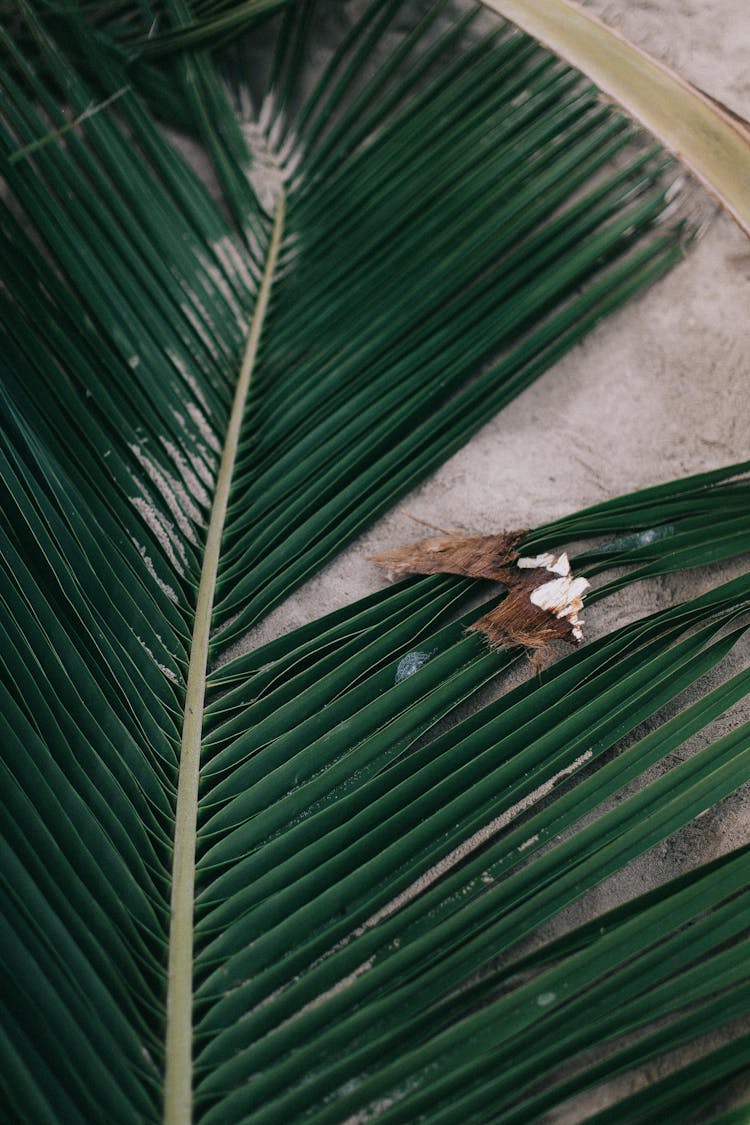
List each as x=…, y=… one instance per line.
x=144, y=28
x=199, y=409
x=712, y=140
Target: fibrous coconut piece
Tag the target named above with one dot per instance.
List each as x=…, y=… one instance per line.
x=533, y=614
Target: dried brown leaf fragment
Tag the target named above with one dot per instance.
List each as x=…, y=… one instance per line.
x=473, y=556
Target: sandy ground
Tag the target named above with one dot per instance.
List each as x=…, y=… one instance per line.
x=658, y=391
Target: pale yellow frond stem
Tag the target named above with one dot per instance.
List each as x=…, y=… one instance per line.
x=178, y=1082
x=709, y=139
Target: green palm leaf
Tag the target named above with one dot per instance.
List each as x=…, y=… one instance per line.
x=146, y=28
x=273, y=886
